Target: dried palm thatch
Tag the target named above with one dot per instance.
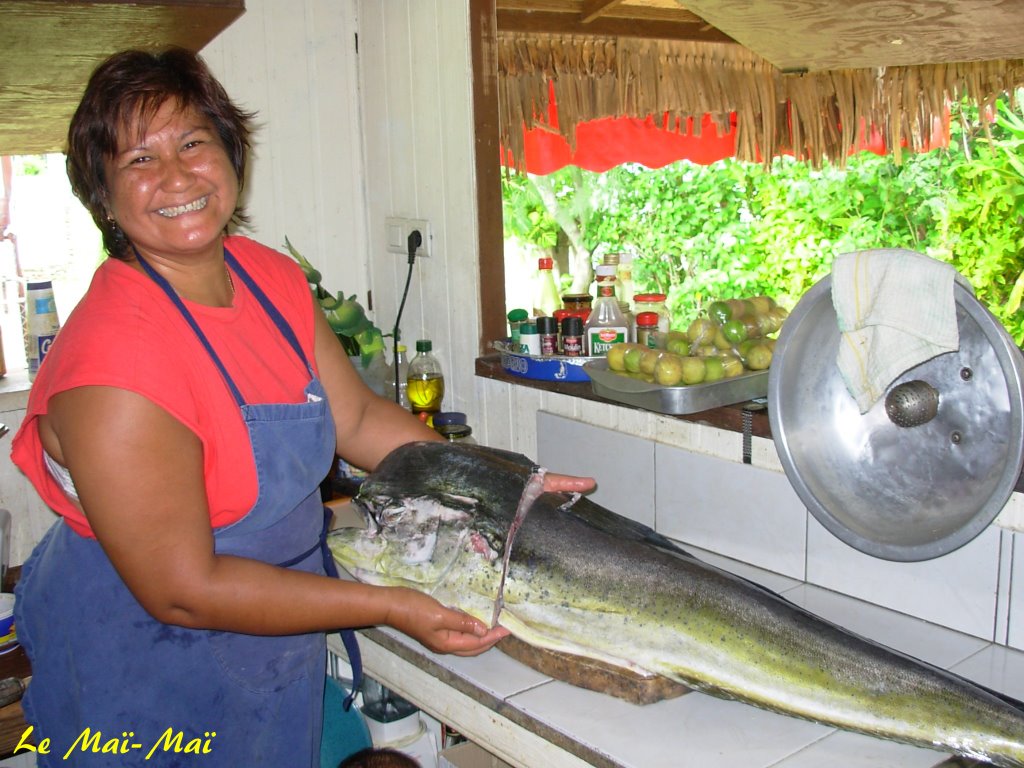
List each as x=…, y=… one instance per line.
x=813, y=115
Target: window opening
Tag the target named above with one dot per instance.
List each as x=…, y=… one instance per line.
x=47, y=234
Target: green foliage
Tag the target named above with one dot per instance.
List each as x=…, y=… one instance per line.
x=701, y=233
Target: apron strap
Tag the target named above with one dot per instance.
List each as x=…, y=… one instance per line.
x=348, y=636
x=161, y=281
x=268, y=305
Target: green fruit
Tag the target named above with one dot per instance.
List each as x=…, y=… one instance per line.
x=759, y=357
x=735, y=331
x=616, y=357
x=648, y=359
x=731, y=366
x=668, y=371
x=632, y=359
x=740, y=308
x=678, y=346
x=721, y=342
x=714, y=368
x=762, y=304
x=694, y=370
x=700, y=331
x=720, y=312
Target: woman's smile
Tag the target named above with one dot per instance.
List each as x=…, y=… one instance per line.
x=173, y=189
x=178, y=210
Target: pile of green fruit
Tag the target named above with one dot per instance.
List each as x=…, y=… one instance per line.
x=733, y=338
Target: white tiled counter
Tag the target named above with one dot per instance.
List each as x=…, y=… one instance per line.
x=532, y=721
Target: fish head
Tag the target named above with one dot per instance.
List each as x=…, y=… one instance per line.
x=412, y=540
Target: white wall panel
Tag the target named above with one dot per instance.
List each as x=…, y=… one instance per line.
x=295, y=65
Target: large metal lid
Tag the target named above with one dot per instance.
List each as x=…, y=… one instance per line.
x=899, y=492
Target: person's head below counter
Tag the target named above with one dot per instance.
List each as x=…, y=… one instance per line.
x=123, y=96
x=380, y=757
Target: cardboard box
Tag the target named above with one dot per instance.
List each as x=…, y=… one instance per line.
x=468, y=755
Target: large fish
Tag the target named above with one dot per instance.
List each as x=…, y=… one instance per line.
x=582, y=580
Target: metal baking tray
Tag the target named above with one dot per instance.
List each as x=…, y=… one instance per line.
x=674, y=401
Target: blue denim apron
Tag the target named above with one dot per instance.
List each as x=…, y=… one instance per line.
x=163, y=695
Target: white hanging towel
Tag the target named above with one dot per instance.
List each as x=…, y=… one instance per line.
x=895, y=309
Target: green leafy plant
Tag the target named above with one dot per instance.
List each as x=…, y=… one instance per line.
x=346, y=316
x=700, y=233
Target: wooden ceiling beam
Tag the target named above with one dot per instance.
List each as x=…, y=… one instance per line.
x=592, y=9
x=549, y=22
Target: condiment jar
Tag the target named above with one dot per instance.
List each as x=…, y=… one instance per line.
x=646, y=323
x=529, y=339
x=572, y=336
x=579, y=304
x=653, y=302
x=547, y=328
x=515, y=320
x=457, y=433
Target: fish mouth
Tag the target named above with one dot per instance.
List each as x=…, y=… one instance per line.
x=174, y=211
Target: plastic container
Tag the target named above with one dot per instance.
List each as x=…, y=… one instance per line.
x=529, y=339
x=606, y=325
x=426, y=380
x=41, y=323
x=403, y=379
x=516, y=318
x=547, y=299
x=8, y=636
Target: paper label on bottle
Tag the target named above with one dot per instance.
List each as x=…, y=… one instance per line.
x=600, y=340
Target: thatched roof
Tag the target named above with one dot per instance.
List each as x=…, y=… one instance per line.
x=813, y=115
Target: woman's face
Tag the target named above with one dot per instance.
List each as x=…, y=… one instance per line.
x=172, y=186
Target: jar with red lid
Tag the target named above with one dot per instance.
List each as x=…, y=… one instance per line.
x=653, y=302
x=579, y=304
x=646, y=324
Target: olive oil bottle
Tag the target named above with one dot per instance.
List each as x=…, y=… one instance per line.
x=426, y=381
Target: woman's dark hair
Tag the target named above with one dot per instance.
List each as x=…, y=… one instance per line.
x=379, y=757
x=124, y=93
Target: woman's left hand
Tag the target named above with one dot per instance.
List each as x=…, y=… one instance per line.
x=554, y=483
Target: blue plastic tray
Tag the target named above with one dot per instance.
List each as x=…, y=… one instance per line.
x=547, y=368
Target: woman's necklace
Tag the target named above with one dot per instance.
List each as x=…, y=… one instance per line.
x=231, y=280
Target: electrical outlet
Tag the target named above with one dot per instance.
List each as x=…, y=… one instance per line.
x=397, y=233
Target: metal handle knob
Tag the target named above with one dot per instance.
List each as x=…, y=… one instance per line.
x=912, y=403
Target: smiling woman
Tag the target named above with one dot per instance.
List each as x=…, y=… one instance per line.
x=181, y=426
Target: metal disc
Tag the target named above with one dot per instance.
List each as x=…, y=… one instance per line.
x=895, y=491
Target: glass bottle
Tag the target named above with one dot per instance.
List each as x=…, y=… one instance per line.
x=624, y=280
x=606, y=325
x=426, y=381
x=457, y=433
x=547, y=299
x=654, y=302
x=403, y=379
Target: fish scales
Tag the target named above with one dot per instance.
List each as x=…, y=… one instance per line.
x=586, y=581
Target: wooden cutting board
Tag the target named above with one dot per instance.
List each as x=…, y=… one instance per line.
x=592, y=674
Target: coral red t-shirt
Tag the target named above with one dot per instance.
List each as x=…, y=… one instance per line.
x=126, y=333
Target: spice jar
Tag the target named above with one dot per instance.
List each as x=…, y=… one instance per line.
x=572, y=336
x=547, y=328
x=646, y=323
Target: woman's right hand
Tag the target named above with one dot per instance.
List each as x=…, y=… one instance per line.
x=440, y=629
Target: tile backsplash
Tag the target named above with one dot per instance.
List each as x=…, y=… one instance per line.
x=751, y=514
